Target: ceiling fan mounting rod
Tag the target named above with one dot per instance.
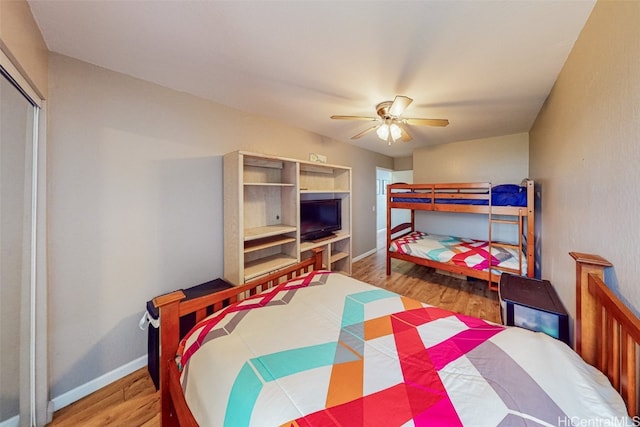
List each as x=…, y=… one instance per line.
x=382, y=109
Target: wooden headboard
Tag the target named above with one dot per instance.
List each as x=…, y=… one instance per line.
x=173, y=406
x=607, y=333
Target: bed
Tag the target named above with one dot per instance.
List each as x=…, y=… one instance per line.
x=378, y=358
x=502, y=204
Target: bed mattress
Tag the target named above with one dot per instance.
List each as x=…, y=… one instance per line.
x=501, y=195
x=519, y=199
x=328, y=350
x=453, y=250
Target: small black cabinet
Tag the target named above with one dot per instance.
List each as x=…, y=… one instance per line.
x=532, y=304
x=186, y=323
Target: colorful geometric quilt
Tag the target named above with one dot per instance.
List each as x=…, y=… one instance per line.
x=458, y=251
x=328, y=350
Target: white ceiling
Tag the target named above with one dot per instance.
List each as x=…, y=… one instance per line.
x=485, y=65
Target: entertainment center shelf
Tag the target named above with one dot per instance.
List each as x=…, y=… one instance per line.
x=337, y=252
x=266, y=242
x=267, y=231
x=315, y=178
x=325, y=191
x=267, y=184
x=262, y=228
x=253, y=269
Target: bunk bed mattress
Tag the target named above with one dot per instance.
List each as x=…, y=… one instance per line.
x=326, y=349
x=458, y=251
x=501, y=195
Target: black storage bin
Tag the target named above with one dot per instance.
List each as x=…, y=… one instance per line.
x=186, y=323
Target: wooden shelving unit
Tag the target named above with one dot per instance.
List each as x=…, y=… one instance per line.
x=318, y=181
x=262, y=213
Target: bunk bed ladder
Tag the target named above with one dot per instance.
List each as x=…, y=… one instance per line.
x=518, y=247
x=490, y=283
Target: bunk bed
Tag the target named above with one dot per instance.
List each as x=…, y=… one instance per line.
x=323, y=382
x=510, y=204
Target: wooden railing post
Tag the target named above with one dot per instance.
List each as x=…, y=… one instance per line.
x=531, y=222
x=317, y=258
x=169, y=308
x=586, y=313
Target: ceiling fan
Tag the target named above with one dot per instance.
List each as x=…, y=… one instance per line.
x=390, y=123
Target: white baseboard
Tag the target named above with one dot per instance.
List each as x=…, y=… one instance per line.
x=11, y=422
x=364, y=255
x=96, y=384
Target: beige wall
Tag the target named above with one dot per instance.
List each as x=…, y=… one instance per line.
x=585, y=152
x=499, y=160
x=503, y=159
x=403, y=163
x=136, y=204
x=22, y=42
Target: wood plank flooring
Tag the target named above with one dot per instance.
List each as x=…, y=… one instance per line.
x=130, y=401
x=470, y=297
x=133, y=402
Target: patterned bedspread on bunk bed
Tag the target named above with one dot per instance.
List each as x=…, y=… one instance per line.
x=326, y=349
x=458, y=251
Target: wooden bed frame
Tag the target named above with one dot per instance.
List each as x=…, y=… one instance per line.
x=173, y=405
x=607, y=333
x=523, y=217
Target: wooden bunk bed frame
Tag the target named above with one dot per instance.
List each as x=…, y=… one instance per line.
x=523, y=217
x=606, y=332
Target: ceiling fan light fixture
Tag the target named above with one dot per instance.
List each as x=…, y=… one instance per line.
x=383, y=132
x=395, y=131
x=389, y=132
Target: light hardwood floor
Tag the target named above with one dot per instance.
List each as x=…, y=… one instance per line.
x=133, y=401
x=130, y=401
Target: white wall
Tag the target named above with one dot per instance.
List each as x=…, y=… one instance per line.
x=585, y=153
x=499, y=160
x=136, y=187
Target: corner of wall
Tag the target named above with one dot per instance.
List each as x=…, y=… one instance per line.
x=22, y=42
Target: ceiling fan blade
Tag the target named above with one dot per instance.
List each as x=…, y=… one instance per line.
x=427, y=122
x=364, y=132
x=404, y=136
x=399, y=105
x=354, y=118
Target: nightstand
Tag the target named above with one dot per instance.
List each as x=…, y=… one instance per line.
x=532, y=304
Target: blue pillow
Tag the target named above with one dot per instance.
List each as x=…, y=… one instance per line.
x=506, y=188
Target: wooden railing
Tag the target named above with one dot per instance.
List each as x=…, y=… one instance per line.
x=607, y=333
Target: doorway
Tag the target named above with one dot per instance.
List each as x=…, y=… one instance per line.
x=383, y=178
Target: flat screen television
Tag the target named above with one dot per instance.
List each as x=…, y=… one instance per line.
x=320, y=218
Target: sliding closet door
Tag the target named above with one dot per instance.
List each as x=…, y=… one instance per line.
x=18, y=136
